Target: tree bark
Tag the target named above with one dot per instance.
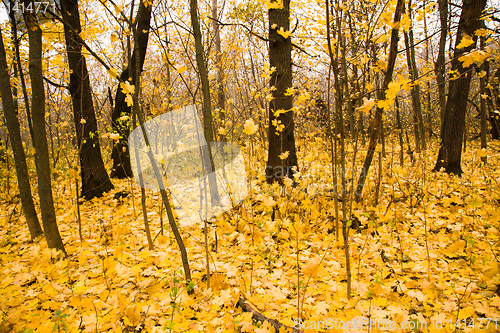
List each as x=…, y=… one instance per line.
x=221, y=97
x=415, y=91
x=280, y=57
x=452, y=133
x=10, y=113
x=120, y=154
x=393, y=51
x=440, y=64
x=40, y=139
x=207, y=107
x=482, y=86
x=494, y=103
x=95, y=180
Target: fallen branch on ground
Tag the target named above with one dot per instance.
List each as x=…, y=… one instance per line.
x=260, y=317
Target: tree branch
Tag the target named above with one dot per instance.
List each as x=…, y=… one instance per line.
x=55, y=84
x=260, y=317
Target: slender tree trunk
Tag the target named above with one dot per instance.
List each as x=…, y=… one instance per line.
x=10, y=113
x=482, y=84
x=120, y=154
x=42, y=160
x=207, y=107
x=393, y=50
x=494, y=102
x=18, y=70
x=415, y=89
x=440, y=65
x=281, y=116
x=221, y=97
x=400, y=134
x=450, y=153
x=95, y=180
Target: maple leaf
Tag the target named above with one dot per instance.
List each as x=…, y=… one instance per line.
x=481, y=32
x=367, y=105
x=322, y=308
x=477, y=56
x=127, y=88
x=384, y=104
x=392, y=90
x=284, y=33
x=250, y=127
x=465, y=41
x=129, y=100
x=289, y=91
x=284, y=155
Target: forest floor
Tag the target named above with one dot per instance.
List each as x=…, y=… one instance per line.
x=424, y=254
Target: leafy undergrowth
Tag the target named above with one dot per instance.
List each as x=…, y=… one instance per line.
x=400, y=272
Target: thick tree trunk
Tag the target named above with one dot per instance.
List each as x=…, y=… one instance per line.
x=452, y=133
x=10, y=113
x=120, y=154
x=439, y=66
x=40, y=139
x=281, y=114
x=95, y=180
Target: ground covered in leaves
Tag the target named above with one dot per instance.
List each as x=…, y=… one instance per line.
x=424, y=248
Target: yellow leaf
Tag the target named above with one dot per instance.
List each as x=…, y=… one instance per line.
x=127, y=88
x=475, y=56
x=405, y=22
x=250, y=127
x=180, y=68
x=284, y=155
x=274, y=4
x=112, y=72
x=481, y=32
x=284, y=33
x=289, y=91
x=114, y=37
x=466, y=41
x=367, y=105
x=392, y=90
x=129, y=100
x=385, y=104
x=466, y=313
x=322, y=308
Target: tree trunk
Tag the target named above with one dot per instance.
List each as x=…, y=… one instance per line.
x=452, y=132
x=482, y=87
x=207, y=107
x=95, y=180
x=40, y=140
x=120, y=154
x=221, y=97
x=439, y=66
x=10, y=113
x=415, y=91
x=393, y=51
x=281, y=115
x=494, y=101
